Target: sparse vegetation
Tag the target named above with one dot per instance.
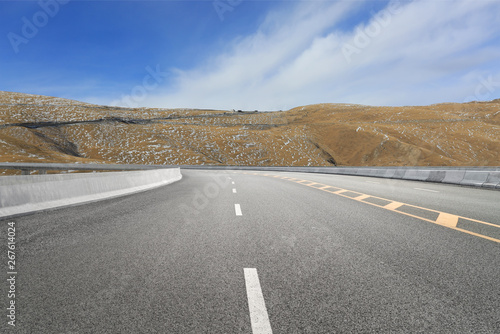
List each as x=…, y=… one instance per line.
x=45, y=129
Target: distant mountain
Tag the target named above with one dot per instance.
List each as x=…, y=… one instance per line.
x=47, y=129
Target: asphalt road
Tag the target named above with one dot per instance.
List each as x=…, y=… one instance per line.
x=186, y=258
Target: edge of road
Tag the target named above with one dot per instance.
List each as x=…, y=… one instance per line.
x=484, y=177
x=24, y=194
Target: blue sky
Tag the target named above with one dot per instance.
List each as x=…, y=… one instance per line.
x=252, y=54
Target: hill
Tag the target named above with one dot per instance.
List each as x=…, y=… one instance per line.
x=46, y=129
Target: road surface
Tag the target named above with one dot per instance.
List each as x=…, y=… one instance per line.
x=257, y=252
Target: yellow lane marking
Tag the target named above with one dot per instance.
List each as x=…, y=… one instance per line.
x=392, y=206
x=447, y=220
x=443, y=219
x=361, y=197
x=476, y=234
x=311, y=184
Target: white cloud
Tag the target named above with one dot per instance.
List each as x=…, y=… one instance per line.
x=422, y=52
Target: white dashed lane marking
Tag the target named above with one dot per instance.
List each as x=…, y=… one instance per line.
x=237, y=209
x=234, y=191
x=256, y=304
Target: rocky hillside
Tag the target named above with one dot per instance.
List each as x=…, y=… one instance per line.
x=45, y=129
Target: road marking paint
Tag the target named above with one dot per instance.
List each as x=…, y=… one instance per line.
x=372, y=182
x=232, y=182
x=237, y=209
x=392, y=206
x=442, y=219
x=476, y=234
x=256, y=304
x=234, y=191
x=312, y=183
x=447, y=219
x=361, y=197
x=432, y=191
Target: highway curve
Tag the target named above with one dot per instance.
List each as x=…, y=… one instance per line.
x=255, y=252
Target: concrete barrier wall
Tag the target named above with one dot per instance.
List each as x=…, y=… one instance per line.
x=31, y=193
x=474, y=178
x=454, y=176
x=493, y=180
x=436, y=176
x=487, y=177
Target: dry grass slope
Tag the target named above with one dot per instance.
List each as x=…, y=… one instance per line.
x=46, y=129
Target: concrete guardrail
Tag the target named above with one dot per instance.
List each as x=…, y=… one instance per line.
x=30, y=193
x=486, y=177
x=22, y=194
